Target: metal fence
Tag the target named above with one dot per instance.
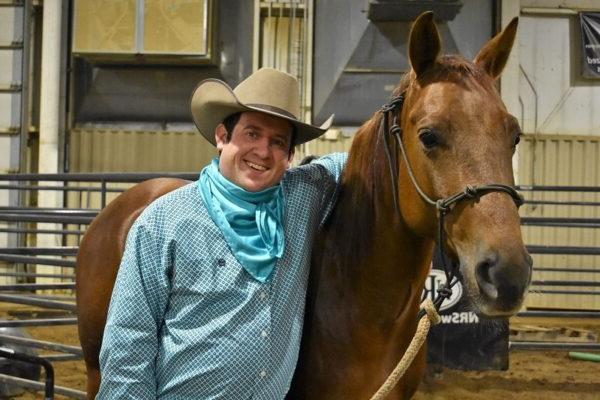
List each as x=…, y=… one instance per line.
x=85, y=194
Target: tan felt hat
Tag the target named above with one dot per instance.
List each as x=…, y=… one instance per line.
x=267, y=90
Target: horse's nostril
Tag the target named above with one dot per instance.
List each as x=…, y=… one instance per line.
x=483, y=274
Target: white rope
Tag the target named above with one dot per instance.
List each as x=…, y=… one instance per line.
x=431, y=318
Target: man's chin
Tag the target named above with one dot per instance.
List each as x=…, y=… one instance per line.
x=254, y=185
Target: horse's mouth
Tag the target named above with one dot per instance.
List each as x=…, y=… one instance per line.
x=497, y=309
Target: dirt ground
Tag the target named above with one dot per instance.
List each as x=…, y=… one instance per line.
x=532, y=374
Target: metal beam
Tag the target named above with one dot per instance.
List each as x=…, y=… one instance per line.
x=57, y=219
x=57, y=262
x=118, y=177
x=559, y=314
x=36, y=286
x=552, y=346
x=46, y=251
x=38, y=322
x=576, y=250
x=38, y=386
x=41, y=344
x=44, y=303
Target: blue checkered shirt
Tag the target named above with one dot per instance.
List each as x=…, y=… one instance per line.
x=186, y=321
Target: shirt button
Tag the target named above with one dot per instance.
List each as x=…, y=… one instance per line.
x=263, y=373
x=263, y=295
x=221, y=262
x=263, y=334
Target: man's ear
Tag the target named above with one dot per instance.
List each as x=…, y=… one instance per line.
x=220, y=136
x=291, y=157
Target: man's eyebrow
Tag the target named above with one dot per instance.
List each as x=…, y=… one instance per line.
x=256, y=128
x=282, y=136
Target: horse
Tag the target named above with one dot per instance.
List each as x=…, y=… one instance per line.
x=371, y=259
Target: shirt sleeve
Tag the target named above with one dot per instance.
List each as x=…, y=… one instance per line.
x=333, y=165
x=139, y=298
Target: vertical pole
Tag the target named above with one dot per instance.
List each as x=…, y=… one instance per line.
x=256, y=37
x=307, y=66
x=25, y=89
x=49, y=146
x=103, y=194
x=50, y=88
x=509, y=84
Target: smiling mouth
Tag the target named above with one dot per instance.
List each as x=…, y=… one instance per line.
x=256, y=167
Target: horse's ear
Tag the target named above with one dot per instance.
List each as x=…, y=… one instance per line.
x=493, y=56
x=424, y=44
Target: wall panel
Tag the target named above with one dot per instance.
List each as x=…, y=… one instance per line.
x=563, y=161
x=108, y=150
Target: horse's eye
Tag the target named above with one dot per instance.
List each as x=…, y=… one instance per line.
x=517, y=139
x=429, y=138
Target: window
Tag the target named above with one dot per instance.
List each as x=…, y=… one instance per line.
x=142, y=27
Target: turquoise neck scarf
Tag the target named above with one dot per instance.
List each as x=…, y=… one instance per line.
x=251, y=222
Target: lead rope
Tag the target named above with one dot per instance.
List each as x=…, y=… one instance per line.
x=432, y=318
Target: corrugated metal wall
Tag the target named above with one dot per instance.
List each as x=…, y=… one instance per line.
x=99, y=150
x=114, y=150
x=570, y=161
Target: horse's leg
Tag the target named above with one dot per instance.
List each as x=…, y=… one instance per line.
x=93, y=381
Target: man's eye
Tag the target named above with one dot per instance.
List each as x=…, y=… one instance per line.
x=252, y=134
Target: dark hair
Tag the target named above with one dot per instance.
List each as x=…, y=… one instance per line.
x=231, y=121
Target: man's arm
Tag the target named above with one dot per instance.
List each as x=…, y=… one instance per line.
x=333, y=164
x=140, y=295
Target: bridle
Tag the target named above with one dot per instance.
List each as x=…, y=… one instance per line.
x=443, y=206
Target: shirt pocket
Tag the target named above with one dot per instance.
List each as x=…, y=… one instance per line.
x=208, y=281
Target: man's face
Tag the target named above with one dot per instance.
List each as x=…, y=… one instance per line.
x=258, y=153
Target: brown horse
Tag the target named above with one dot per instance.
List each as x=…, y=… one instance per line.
x=370, y=261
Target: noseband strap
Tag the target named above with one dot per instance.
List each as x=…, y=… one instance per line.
x=443, y=206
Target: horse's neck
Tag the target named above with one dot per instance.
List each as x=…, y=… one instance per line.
x=383, y=282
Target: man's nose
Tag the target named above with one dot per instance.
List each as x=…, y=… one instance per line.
x=262, y=148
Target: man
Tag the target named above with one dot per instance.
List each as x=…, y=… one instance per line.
x=209, y=299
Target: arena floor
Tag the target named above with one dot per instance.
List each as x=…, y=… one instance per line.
x=532, y=374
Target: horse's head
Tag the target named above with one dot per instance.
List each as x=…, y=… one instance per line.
x=458, y=133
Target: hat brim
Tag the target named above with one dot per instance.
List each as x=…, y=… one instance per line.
x=213, y=100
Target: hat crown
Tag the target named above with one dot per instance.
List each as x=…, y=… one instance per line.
x=271, y=88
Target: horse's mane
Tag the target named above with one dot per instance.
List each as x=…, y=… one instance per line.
x=365, y=183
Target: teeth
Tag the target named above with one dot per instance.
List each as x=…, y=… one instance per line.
x=256, y=166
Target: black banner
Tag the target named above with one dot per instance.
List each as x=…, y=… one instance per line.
x=590, y=40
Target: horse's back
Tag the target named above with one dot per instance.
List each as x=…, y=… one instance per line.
x=99, y=258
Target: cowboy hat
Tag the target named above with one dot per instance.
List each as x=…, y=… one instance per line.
x=267, y=90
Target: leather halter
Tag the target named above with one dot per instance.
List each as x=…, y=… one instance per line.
x=443, y=206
